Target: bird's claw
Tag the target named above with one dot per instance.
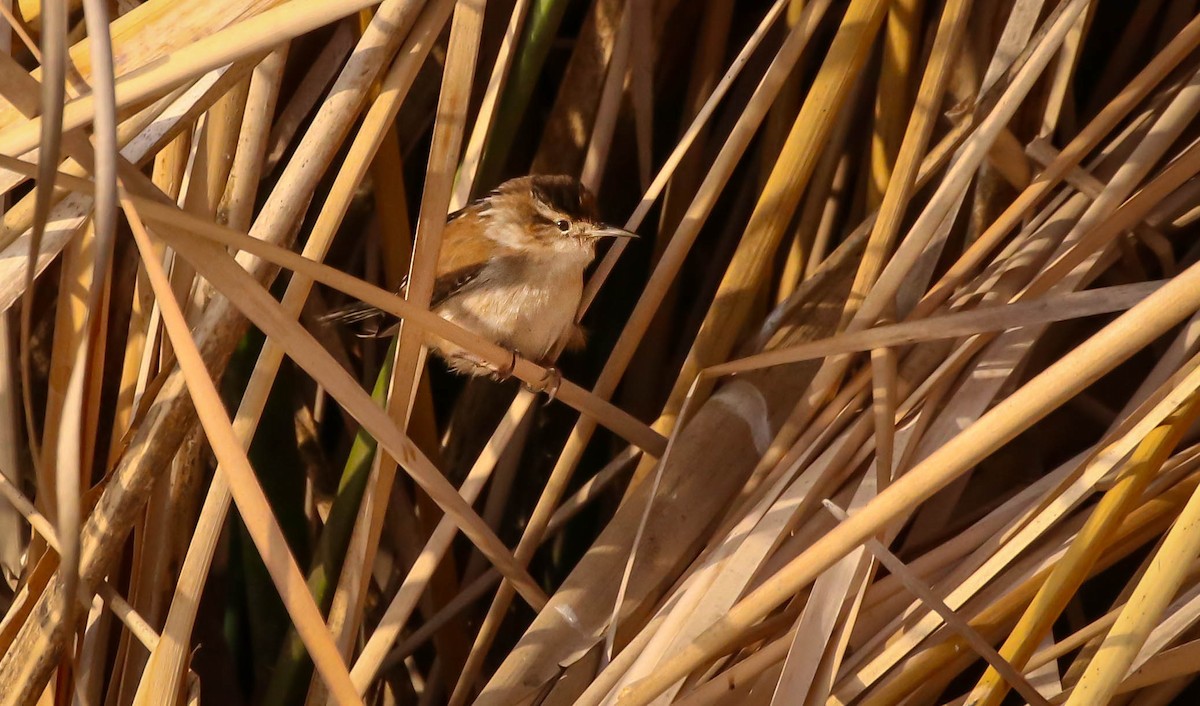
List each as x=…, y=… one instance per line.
x=502, y=374
x=550, y=382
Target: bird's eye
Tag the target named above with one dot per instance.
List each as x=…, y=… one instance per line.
x=564, y=226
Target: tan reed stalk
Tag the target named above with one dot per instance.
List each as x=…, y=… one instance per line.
x=1021, y=532
x=676, y=532
x=449, y=127
x=77, y=145
x=1116, y=110
x=165, y=669
x=424, y=261
x=1084, y=485
x=1004, y=602
x=141, y=136
x=132, y=620
x=255, y=507
x=779, y=199
x=303, y=100
x=666, y=269
x=966, y=160
x=1069, y=573
x=246, y=38
x=734, y=528
x=299, y=344
x=217, y=333
x=561, y=148
x=569, y=393
x=1047, y=309
x=237, y=203
x=1127, y=635
x=1031, y=402
x=611, y=98
x=464, y=182
x=956, y=623
x=403, y=603
x=894, y=197
x=764, y=94
x=569, y=509
x=901, y=49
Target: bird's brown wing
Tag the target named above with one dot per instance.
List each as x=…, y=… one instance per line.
x=464, y=255
x=463, y=258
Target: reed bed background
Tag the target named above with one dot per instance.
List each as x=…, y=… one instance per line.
x=893, y=402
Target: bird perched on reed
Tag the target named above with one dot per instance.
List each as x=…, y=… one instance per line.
x=511, y=270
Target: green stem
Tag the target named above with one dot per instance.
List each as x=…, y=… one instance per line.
x=293, y=669
x=541, y=26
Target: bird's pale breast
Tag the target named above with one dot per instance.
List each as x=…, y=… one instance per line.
x=527, y=307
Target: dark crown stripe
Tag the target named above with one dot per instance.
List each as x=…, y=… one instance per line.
x=563, y=194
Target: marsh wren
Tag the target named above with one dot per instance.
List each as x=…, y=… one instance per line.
x=511, y=270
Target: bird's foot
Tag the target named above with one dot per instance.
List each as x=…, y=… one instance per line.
x=550, y=382
x=506, y=372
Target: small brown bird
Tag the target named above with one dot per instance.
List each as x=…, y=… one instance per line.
x=511, y=270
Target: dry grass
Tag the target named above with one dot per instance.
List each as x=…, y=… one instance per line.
x=894, y=402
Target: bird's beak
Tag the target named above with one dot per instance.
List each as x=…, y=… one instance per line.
x=612, y=232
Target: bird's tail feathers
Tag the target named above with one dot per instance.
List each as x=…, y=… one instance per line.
x=351, y=314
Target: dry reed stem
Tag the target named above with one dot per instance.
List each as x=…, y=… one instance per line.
x=996, y=564
x=612, y=95
x=893, y=97
x=469, y=167
x=917, y=391
x=1031, y=402
x=1069, y=573
x=266, y=313
x=1104, y=122
x=88, y=347
x=142, y=136
x=672, y=258
x=323, y=70
x=779, y=199
x=1025, y=528
x=1153, y=592
x=53, y=94
x=345, y=613
x=255, y=509
x=664, y=273
x=137, y=625
x=950, y=191
x=612, y=417
x=768, y=88
x=1033, y=312
x=216, y=333
x=237, y=203
x=77, y=145
x=830, y=610
x=673, y=529
x=966, y=160
x=953, y=620
x=247, y=162
x=899, y=182
x=1000, y=605
x=445, y=147
x=402, y=604
x=594, y=162
x=589, y=491
x=562, y=145
x=246, y=38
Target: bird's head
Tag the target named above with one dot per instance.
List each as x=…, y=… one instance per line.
x=548, y=214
